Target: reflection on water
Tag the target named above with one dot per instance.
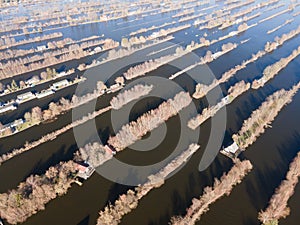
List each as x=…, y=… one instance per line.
x=270, y=155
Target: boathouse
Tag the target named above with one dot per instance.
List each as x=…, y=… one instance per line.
x=84, y=170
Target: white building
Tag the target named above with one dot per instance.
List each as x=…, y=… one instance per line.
x=217, y=55
x=7, y=108
x=25, y=97
x=32, y=81
x=226, y=99
x=41, y=48
x=60, y=84
x=232, y=148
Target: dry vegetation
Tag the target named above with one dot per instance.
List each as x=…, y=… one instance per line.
x=278, y=208
x=220, y=188
x=32, y=195
x=272, y=70
x=233, y=92
x=95, y=154
x=202, y=89
x=75, y=51
x=50, y=136
x=263, y=116
x=11, y=42
x=122, y=52
x=134, y=93
x=135, y=130
x=112, y=214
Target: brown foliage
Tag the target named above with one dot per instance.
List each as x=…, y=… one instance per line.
x=278, y=208
x=135, y=92
x=32, y=195
x=134, y=131
x=211, y=194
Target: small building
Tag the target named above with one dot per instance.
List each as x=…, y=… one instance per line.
x=233, y=148
x=32, y=81
x=25, y=97
x=97, y=49
x=12, y=126
x=8, y=107
x=44, y=93
x=154, y=34
x=216, y=55
x=114, y=88
x=239, y=21
x=16, y=123
x=60, y=84
x=41, y=48
x=110, y=149
x=233, y=33
x=85, y=171
x=226, y=99
x=61, y=74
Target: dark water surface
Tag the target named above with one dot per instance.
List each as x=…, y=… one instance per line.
x=270, y=154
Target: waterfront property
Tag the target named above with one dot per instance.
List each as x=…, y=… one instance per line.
x=44, y=93
x=11, y=127
x=32, y=81
x=25, y=97
x=232, y=151
x=7, y=107
x=60, y=84
x=85, y=171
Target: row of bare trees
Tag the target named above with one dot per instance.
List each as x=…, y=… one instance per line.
x=278, y=205
x=94, y=153
x=209, y=56
x=35, y=192
x=11, y=42
x=272, y=70
x=269, y=47
x=51, y=45
x=55, y=16
x=54, y=109
x=143, y=30
x=202, y=89
x=112, y=214
x=37, y=57
x=233, y=92
x=280, y=26
x=134, y=130
x=133, y=93
x=220, y=188
x=122, y=52
x=152, y=64
x=49, y=74
x=224, y=19
x=20, y=66
x=263, y=116
x=50, y=136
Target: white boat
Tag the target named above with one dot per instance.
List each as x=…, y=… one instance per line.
x=60, y=84
x=6, y=108
x=44, y=93
x=25, y=97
